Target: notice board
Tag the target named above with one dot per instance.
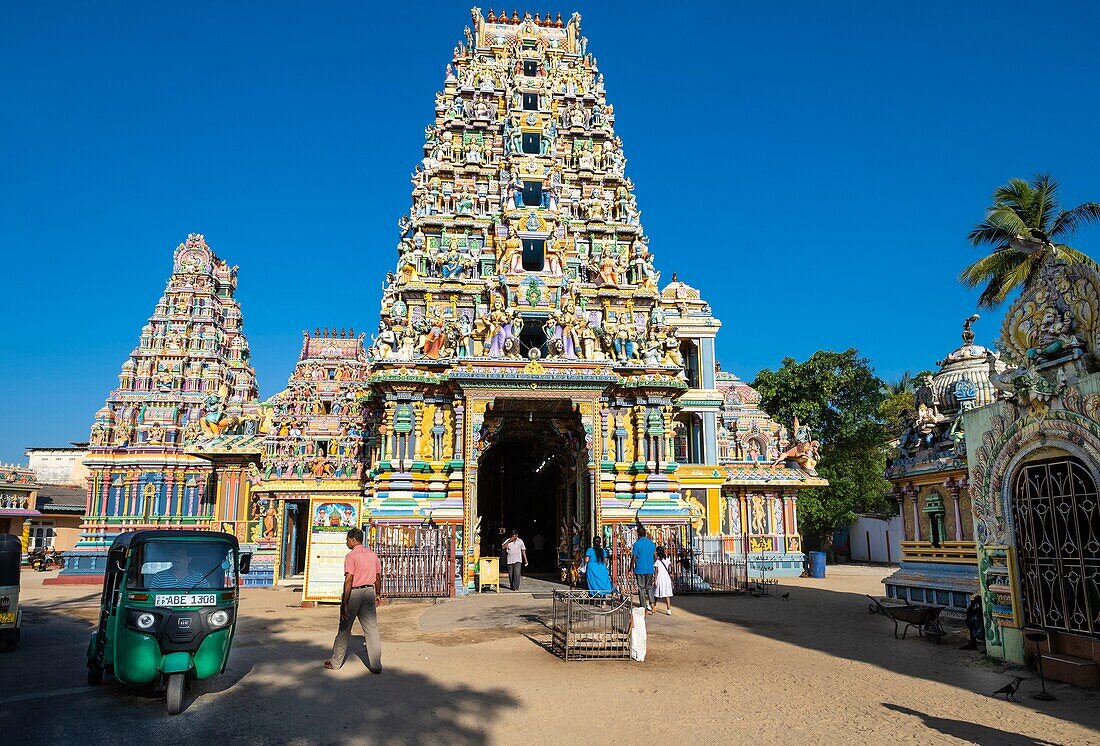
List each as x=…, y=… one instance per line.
x=329, y=523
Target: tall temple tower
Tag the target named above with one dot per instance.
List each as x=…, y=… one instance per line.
x=527, y=369
x=189, y=378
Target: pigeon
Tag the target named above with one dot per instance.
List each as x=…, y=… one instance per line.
x=785, y=596
x=1009, y=689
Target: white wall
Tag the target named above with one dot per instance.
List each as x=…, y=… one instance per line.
x=62, y=466
x=883, y=536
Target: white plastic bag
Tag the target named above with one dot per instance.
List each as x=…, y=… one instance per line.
x=637, y=633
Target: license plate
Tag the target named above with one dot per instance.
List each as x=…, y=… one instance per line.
x=187, y=599
x=7, y=618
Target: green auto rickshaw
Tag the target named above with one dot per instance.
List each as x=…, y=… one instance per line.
x=11, y=557
x=168, y=609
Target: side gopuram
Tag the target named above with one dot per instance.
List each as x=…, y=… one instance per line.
x=939, y=562
x=189, y=378
x=527, y=370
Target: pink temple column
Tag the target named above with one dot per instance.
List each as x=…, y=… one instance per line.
x=954, y=485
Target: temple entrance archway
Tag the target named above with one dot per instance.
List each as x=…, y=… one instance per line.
x=533, y=477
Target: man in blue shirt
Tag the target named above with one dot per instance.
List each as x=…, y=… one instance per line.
x=643, y=557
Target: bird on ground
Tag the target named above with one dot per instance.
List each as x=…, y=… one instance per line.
x=1009, y=689
x=785, y=596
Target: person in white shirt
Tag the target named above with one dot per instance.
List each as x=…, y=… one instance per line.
x=516, y=557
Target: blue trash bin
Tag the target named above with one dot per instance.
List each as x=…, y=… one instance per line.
x=817, y=564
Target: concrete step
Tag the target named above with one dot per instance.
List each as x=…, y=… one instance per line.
x=1082, y=672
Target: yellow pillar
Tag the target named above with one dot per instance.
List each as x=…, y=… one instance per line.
x=714, y=511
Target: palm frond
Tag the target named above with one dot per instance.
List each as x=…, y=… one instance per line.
x=1045, y=192
x=1000, y=286
x=993, y=265
x=1016, y=193
x=986, y=233
x=1069, y=221
x=1076, y=256
x=1008, y=220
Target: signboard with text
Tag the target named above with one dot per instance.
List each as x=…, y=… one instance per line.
x=329, y=523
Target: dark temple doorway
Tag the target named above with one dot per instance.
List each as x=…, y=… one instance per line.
x=533, y=477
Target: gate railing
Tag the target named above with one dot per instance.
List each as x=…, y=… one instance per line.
x=417, y=561
x=699, y=565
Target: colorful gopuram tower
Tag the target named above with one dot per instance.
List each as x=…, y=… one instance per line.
x=311, y=458
x=189, y=378
x=527, y=371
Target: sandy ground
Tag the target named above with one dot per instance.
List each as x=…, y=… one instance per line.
x=721, y=669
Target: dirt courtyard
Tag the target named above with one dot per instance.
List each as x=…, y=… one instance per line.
x=814, y=668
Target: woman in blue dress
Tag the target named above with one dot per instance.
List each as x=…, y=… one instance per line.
x=596, y=571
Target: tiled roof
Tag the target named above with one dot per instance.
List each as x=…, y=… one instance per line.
x=59, y=498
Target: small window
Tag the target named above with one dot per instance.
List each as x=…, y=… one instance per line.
x=530, y=68
x=530, y=102
x=531, y=143
x=533, y=254
x=532, y=193
x=326, y=407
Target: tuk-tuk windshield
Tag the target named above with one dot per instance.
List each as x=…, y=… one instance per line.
x=183, y=565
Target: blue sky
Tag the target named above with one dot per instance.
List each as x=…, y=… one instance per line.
x=812, y=167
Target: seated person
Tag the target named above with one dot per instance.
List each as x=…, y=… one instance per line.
x=596, y=571
x=975, y=624
x=182, y=573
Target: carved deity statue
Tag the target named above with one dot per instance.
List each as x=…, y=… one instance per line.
x=511, y=260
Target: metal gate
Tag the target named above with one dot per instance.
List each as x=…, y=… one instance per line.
x=1058, y=542
x=417, y=561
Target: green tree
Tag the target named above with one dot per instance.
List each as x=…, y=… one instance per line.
x=839, y=397
x=1022, y=225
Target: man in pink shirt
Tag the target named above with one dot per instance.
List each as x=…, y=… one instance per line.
x=362, y=589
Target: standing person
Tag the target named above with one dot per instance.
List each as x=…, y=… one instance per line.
x=538, y=544
x=643, y=557
x=662, y=582
x=362, y=587
x=595, y=569
x=516, y=553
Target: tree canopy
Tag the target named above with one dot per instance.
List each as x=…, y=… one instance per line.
x=837, y=395
x=1023, y=225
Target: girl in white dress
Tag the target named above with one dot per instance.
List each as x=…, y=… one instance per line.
x=662, y=580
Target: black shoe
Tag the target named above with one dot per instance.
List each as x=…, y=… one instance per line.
x=969, y=646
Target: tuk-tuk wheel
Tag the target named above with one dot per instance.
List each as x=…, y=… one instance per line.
x=176, y=685
x=95, y=673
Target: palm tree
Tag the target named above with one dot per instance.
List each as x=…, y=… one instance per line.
x=1022, y=226
x=903, y=385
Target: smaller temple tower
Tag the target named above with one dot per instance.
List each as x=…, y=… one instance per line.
x=939, y=564
x=188, y=378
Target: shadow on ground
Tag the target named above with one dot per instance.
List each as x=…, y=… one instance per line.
x=838, y=623
x=968, y=732
x=274, y=690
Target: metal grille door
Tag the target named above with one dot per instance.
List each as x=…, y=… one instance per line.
x=1058, y=540
x=417, y=561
